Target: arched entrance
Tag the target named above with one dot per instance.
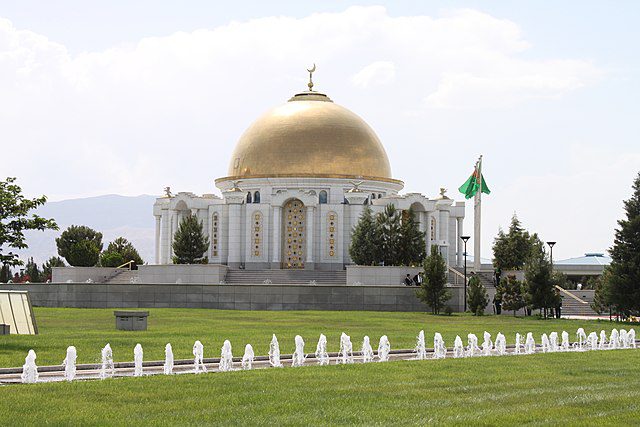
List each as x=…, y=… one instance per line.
x=293, y=230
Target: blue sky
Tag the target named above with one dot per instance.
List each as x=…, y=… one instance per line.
x=547, y=91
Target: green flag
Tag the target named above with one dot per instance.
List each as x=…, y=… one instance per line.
x=474, y=183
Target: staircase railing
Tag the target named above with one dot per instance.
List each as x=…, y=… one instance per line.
x=564, y=291
x=458, y=277
x=127, y=264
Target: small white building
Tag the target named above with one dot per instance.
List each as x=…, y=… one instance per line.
x=298, y=181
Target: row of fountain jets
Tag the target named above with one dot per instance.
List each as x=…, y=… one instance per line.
x=549, y=343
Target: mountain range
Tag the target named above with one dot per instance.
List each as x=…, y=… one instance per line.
x=112, y=215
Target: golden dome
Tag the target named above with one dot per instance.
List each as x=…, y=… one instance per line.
x=310, y=136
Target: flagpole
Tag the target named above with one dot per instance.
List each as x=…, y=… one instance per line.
x=476, y=217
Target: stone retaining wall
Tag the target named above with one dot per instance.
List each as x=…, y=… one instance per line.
x=238, y=297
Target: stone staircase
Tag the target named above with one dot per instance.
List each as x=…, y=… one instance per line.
x=122, y=277
x=577, y=307
x=486, y=278
x=286, y=277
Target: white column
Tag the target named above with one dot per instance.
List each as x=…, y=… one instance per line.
x=174, y=228
x=164, y=232
x=277, y=244
x=234, y=243
x=310, y=229
x=459, y=242
x=427, y=238
x=158, y=223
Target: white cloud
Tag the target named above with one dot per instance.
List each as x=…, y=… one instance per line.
x=379, y=73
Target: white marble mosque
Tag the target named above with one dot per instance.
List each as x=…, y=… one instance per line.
x=298, y=180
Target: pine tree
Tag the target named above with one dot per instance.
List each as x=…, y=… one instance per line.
x=511, y=295
x=189, y=243
x=31, y=269
x=602, y=295
x=477, y=296
x=390, y=223
x=511, y=250
x=412, y=243
x=537, y=272
x=624, y=282
x=433, y=291
x=47, y=267
x=80, y=246
x=126, y=250
x=365, y=247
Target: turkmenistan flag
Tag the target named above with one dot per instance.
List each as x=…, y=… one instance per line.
x=474, y=183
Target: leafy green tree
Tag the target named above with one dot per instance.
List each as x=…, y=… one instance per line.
x=477, y=296
x=537, y=273
x=80, y=246
x=433, y=291
x=624, y=280
x=412, y=244
x=15, y=219
x=126, y=250
x=511, y=250
x=33, y=272
x=189, y=243
x=111, y=259
x=390, y=222
x=365, y=248
x=511, y=294
x=47, y=267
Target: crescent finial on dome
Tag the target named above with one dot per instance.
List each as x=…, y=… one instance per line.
x=311, y=71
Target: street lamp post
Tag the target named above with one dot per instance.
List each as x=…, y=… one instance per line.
x=465, y=239
x=551, y=254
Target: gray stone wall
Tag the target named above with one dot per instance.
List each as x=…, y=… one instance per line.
x=230, y=297
x=172, y=273
x=82, y=274
x=371, y=275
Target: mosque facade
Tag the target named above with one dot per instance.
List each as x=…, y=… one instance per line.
x=298, y=181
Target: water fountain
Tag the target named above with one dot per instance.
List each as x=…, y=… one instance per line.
x=69, y=363
x=529, y=344
x=553, y=341
x=487, y=344
x=367, y=351
x=592, y=341
x=384, y=347
x=274, y=353
x=137, y=360
x=29, y=369
x=226, y=358
x=631, y=337
x=622, y=340
x=345, y=355
x=603, y=340
x=613, y=339
x=421, y=348
x=581, y=339
x=321, y=351
x=297, y=359
x=439, y=349
x=501, y=344
x=458, y=347
x=517, y=349
x=565, y=341
x=107, y=369
x=545, y=345
x=472, y=348
x=168, y=359
x=198, y=358
x=247, y=359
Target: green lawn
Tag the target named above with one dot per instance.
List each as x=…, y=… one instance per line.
x=90, y=329
x=599, y=387
x=590, y=388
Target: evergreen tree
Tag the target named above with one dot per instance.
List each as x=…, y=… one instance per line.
x=412, y=243
x=477, y=296
x=510, y=291
x=80, y=246
x=111, y=259
x=433, y=291
x=32, y=271
x=5, y=273
x=126, y=250
x=365, y=247
x=390, y=223
x=537, y=272
x=624, y=280
x=15, y=218
x=47, y=267
x=189, y=243
x=602, y=295
x=511, y=250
